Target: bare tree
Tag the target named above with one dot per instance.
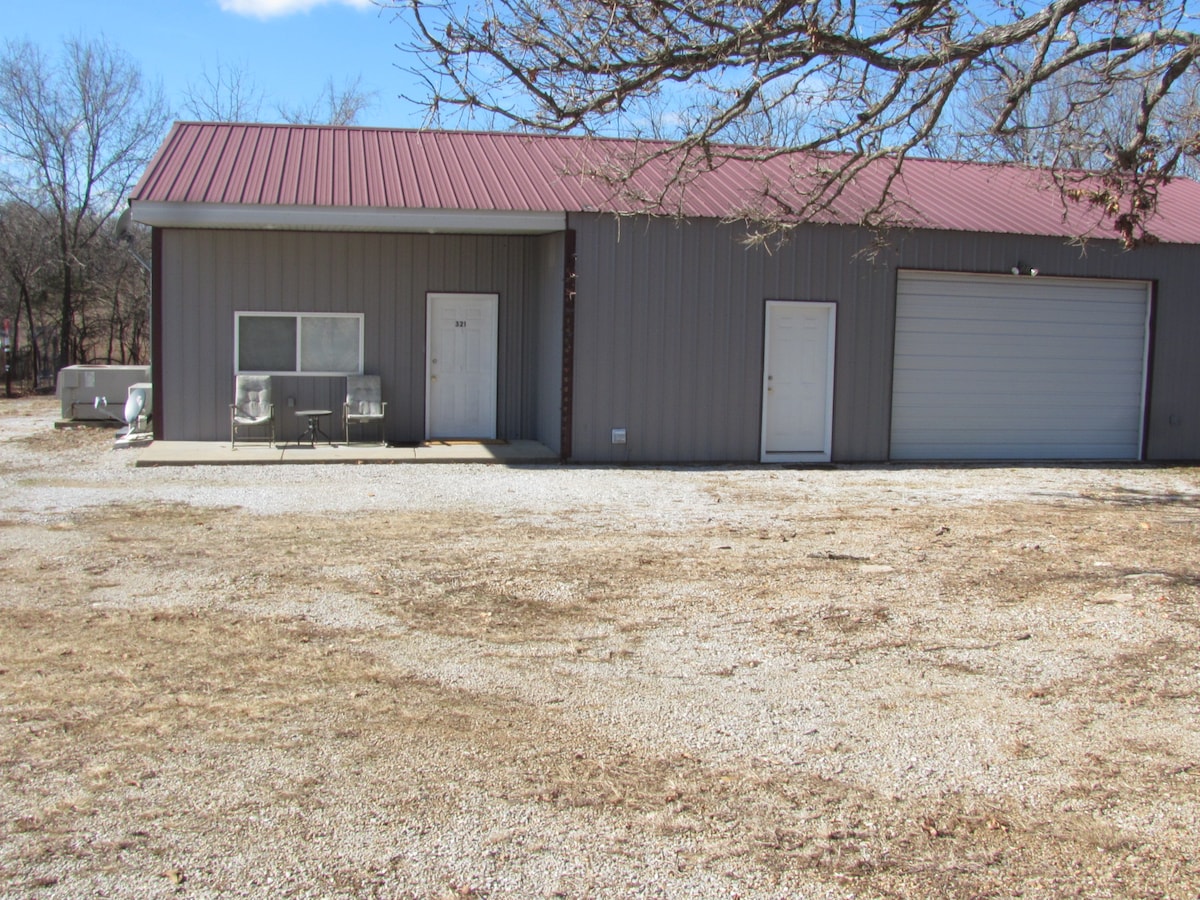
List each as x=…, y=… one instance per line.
x=129, y=292
x=840, y=87
x=335, y=106
x=24, y=237
x=112, y=296
x=74, y=134
x=228, y=95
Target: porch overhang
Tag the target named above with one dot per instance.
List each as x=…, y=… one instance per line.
x=345, y=218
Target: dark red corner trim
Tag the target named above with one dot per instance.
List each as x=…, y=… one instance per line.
x=568, y=345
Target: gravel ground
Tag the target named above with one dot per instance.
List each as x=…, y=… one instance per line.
x=461, y=680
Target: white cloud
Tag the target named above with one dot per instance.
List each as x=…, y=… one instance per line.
x=269, y=9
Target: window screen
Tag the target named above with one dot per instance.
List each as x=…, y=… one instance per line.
x=329, y=344
x=266, y=344
x=299, y=343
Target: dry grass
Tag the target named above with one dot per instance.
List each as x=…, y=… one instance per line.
x=196, y=693
x=151, y=738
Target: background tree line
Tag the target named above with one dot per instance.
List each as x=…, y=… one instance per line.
x=76, y=130
x=1105, y=94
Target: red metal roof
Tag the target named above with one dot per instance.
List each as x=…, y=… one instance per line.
x=374, y=168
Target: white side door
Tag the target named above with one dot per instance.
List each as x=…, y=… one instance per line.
x=460, y=363
x=797, y=416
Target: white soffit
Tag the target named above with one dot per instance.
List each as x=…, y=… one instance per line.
x=347, y=218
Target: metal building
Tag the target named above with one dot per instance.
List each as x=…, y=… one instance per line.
x=502, y=292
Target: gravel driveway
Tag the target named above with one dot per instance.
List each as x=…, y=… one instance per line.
x=559, y=681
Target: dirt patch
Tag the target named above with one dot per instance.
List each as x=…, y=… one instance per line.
x=861, y=682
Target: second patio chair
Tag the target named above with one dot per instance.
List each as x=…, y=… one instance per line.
x=364, y=405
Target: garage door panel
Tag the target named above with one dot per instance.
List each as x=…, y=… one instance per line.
x=935, y=329
x=955, y=413
x=952, y=313
x=988, y=439
x=1022, y=320
x=1087, y=422
x=1006, y=408
x=1003, y=367
x=972, y=284
x=1048, y=354
x=985, y=378
x=991, y=373
x=986, y=448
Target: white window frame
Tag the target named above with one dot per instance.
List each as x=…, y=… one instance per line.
x=298, y=317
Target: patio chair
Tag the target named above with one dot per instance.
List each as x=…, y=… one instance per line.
x=364, y=404
x=251, y=408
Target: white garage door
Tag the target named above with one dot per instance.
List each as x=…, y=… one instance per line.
x=1018, y=367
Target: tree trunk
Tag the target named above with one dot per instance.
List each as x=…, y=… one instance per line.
x=65, y=333
x=33, y=345
x=10, y=354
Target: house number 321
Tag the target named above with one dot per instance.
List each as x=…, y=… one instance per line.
x=459, y=324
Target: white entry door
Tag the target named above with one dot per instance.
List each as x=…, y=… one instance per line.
x=460, y=395
x=797, y=419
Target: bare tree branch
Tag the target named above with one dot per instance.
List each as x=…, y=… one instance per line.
x=228, y=95
x=335, y=106
x=1108, y=82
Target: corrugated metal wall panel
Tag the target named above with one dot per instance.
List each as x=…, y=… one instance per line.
x=654, y=353
x=1173, y=422
x=690, y=300
x=690, y=391
x=208, y=275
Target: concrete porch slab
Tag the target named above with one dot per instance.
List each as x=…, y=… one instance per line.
x=212, y=453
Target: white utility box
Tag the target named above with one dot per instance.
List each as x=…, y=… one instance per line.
x=79, y=388
x=139, y=409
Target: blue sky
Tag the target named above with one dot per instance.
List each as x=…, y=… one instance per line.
x=288, y=48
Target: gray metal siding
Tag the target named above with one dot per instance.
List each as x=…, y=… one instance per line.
x=208, y=275
x=669, y=338
x=1173, y=423
x=669, y=325
x=670, y=318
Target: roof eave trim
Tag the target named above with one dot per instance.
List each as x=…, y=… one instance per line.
x=324, y=218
